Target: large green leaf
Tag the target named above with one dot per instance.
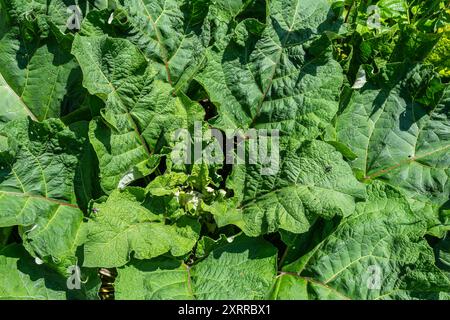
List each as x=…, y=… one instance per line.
x=36, y=184
x=157, y=279
x=312, y=181
x=38, y=78
x=279, y=75
x=397, y=139
x=242, y=269
x=141, y=113
x=24, y=278
x=130, y=222
x=377, y=253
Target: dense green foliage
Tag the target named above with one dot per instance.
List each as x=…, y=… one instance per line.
x=358, y=208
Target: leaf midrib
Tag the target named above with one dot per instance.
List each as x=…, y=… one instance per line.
x=161, y=45
x=405, y=162
x=130, y=117
x=27, y=195
x=19, y=98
